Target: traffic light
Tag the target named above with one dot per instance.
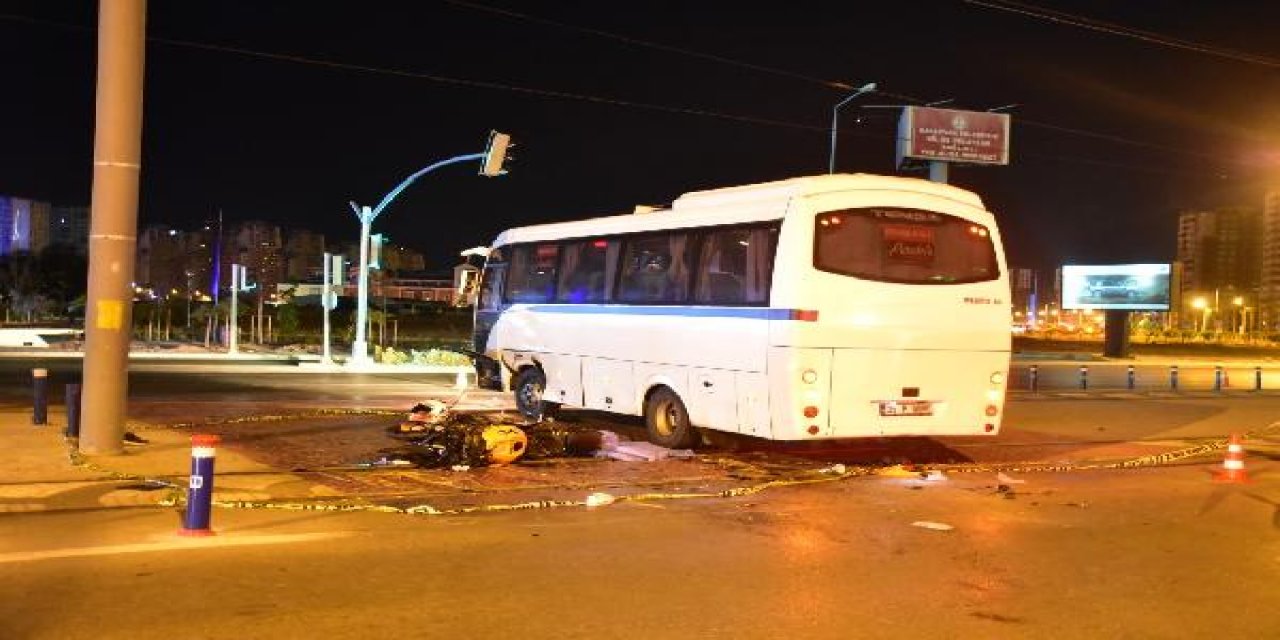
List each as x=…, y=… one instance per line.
x=376, y=241
x=337, y=275
x=495, y=155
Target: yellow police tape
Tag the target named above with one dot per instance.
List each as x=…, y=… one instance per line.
x=830, y=474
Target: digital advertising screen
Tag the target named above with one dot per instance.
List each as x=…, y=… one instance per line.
x=1135, y=287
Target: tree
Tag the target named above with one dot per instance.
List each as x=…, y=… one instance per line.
x=287, y=313
x=20, y=285
x=63, y=275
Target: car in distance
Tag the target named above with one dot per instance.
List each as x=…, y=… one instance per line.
x=1112, y=287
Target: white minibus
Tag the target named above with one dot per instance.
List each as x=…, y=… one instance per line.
x=832, y=306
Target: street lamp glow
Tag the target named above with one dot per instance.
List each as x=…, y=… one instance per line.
x=1199, y=303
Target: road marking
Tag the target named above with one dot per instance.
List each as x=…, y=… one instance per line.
x=177, y=544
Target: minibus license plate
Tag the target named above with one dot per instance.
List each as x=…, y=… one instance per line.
x=906, y=408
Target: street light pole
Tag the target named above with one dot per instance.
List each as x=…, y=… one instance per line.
x=360, y=346
x=835, y=122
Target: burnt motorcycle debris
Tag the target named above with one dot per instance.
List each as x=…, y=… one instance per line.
x=435, y=437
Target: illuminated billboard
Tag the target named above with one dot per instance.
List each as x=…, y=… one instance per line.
x=950, y=135
x=1135, y=287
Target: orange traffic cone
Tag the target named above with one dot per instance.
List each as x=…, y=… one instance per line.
x=1233, y=464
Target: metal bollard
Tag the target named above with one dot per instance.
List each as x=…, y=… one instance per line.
x=40, y=400
x=73, y=411
x=1173, y=377
x=200, y=487
x=1035, y=378
x=1217, y=378
x=1257, y=378
x=1131, y=377
x=1084, y=376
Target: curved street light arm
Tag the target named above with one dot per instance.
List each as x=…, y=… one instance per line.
x=391, y=195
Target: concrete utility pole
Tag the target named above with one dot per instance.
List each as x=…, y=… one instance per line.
x=117, y=163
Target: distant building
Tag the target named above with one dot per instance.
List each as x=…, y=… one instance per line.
x=303, y=254
x=69, y=225
x=160, y=262
x=40, y=231
x=1269, y=278
x=256, y=245
x=1220, y=253
x=401, y=259
x=16, y=224
x=394, y=259
x=1026, y=301
x=32, y=225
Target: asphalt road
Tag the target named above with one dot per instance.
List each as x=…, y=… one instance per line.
x=1158, y=552
x=1147, y=553
x=1060, y=419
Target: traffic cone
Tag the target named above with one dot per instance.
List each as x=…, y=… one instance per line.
x=1233, y=463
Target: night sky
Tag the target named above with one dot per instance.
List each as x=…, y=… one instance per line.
x=615, y=104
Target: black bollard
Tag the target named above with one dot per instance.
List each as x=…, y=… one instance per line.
x=1035, y=378
x=40, y=401
x=1131, y=377
x=73, y=411
x=1257, y=378
x=1173, y=377
x=1217, y=378
x=1084, y=377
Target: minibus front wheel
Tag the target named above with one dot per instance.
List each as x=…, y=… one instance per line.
x=529, y=385
x=667, y=420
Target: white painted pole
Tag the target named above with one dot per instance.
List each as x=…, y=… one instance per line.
x=360, y=347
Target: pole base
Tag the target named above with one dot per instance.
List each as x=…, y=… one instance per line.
x=1232, y=477
x=196, y=533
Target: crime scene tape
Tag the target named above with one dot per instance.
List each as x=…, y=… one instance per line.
x=836, y=473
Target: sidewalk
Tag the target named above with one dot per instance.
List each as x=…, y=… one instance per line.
x=42, y=473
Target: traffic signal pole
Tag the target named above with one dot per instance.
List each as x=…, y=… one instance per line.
x=489, y=159
x=117, y=163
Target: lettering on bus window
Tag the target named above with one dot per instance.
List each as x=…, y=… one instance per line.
x=655, y=269
x=911, y=246
x=735, y=266
x=531, y=277
x=908, y=243
x=586, y=268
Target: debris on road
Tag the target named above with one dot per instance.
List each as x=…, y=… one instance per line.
x=434, y=436
x=898, y=471
x=600, y=499
x=450, y=440
x=1004, y=478
x=934, y=526
x=630, y=451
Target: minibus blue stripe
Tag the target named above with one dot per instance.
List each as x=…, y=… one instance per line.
x=751, y=313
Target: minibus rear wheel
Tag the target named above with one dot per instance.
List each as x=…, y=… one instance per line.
x=668, y=421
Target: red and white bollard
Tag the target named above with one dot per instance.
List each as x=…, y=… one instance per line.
x=200, y=487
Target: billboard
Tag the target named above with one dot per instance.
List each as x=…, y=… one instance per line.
x=1137, y=287
x=950, y=135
